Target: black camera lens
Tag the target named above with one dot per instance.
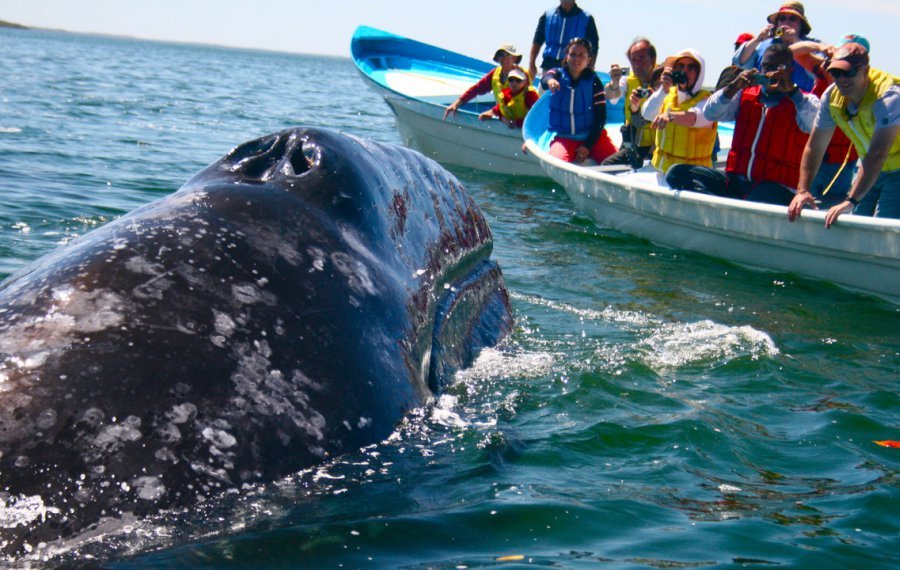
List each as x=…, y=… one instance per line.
x=679, y=77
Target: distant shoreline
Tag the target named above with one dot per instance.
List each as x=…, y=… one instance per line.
x=5, y=24
x=12, y=25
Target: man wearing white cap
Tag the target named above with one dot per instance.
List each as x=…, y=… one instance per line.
x=865, y=104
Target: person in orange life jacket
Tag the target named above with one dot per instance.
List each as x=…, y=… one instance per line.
x=864, y=102
x=577, y=107
x=494, y=80
x=515, y=101
x=637, y=144
x=556, y=28
x=786, y=26
x=683, y=134
x=835, y=176
x=771, y=125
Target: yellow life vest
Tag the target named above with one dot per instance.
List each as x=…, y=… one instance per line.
x=515, y=108
x=683, y=145
x=860, y=128
x=646, y=132
x=497, y=86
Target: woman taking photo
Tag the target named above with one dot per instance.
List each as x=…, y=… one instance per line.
x=577, y=107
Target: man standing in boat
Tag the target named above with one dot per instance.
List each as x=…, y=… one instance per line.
x=865, y=104
x=772, y=118
x=556, y=28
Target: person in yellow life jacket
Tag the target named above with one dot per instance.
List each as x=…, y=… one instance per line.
x=515, y=101
x=494, y=81
x=636, y=86
x=683, y=134
x=864, y=103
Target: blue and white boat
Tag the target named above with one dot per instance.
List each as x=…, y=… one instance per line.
x=860, y=253
x=418, y=81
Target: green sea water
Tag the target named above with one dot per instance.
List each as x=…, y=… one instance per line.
x=653, y=408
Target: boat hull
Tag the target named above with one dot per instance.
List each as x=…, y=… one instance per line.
x=461, y=140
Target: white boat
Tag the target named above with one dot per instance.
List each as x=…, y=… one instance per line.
x=418, y=81
x=857, y=252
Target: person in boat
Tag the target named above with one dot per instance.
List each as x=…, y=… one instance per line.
x=785, y=26
x=832, y=182
x=772, y=120
x=683, y=135
x=636, y=87
x=555, y=29
x=494, y=81
x=515, y=101
x=577, y=107
x=864, y=103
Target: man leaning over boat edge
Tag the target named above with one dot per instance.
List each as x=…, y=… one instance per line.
x=864, y=102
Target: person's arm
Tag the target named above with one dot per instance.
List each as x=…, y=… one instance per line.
x=480, y=88
x=550, y=80
x=807, y=107
x=813, y=154
x=653, y=104
x=536, y=44
x=744, y=55
x=723, y=105
x=592, y=36
x=869, y=170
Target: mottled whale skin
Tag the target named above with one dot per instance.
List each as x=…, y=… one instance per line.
x=289, y=303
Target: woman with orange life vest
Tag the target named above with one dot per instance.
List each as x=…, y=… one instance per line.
x=494, y=81
x=577, y=107
x=515, y=101
x=683, y=134
x=772, y=118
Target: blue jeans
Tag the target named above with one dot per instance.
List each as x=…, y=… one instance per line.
x=883, y=198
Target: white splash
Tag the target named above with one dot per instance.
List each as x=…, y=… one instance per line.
x=684, y=344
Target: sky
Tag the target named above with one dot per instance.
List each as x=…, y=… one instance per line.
x=472, y=27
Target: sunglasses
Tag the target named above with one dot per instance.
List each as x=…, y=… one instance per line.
x=787, y=18
x=515, y=80
x=840, y=73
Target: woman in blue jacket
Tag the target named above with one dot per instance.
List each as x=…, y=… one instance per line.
x=577, y=107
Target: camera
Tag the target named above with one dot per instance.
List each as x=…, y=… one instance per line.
x=760, y=79
x=625, y=70
x=777, y=32
x=679, y=77
x=642, y=92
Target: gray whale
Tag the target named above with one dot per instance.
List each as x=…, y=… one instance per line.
x=289, y=303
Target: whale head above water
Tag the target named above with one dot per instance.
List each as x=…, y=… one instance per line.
x=289, y=303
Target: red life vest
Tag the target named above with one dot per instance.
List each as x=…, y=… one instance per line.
x=767, y=144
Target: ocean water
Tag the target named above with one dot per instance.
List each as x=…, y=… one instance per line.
x=653, y=408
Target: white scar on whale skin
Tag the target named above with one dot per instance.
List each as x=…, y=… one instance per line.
x=71, y=315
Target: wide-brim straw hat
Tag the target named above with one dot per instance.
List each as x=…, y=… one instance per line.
x=795, y=8
x=507, y=48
